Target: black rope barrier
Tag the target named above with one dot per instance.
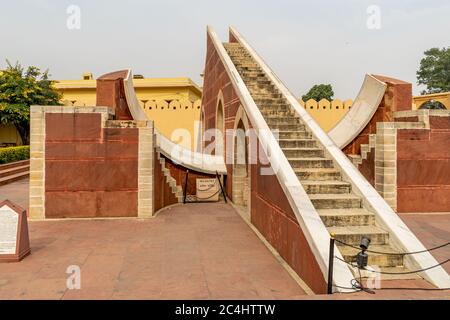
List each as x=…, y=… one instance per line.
x=406, y=272
x=356, y=286
x=394, y=253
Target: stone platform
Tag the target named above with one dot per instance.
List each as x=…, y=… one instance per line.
x=196, y=251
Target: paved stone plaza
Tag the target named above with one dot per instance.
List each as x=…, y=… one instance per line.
x=195, y=251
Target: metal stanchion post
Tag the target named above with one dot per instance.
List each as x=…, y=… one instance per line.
x=330, y=264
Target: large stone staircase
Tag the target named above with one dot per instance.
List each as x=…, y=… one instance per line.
x=339, y=208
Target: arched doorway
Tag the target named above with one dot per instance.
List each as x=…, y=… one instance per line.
x=220, y=129
x=241, y=170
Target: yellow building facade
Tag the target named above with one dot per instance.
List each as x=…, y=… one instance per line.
x=172, y=103
x=327, y=113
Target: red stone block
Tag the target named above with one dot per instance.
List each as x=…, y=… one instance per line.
x=423, y=199
x=122, y=134
x=118, y=204
x=70, y=204
x=421, y=172
x=86, y=204
x=73, y=126
x=91, y=175
x=440, y=122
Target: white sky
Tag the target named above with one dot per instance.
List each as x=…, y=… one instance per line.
x=305, y=42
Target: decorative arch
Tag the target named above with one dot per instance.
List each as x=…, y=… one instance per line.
x=432, y=104
x=241, y=164
x=219, y=139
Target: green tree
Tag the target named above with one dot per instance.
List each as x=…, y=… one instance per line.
x=434, y=70
x=19, y=89
x=319, y=92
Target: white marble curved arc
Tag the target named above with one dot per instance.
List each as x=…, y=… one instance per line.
x=364, y=107
x=133, y=104
x=195, y=161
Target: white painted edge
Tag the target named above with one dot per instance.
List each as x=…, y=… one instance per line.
x=389, y=220
x=307, y=216
x=364, y=107
x=133, y=104
x=196, y=161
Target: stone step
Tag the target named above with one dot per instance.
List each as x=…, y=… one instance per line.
x=14, y=177
x=322, y=174
x=288, y=127
x=245, y=62
x=303, y=152
x=297, y=143
x=310, y=162
x=346, y=217
x=326, y=187
x=259, y=82
x=335, y=201
x=352, y=234
x=375, y=259
x=13, y=170
x=272, y=105
x=282, y=120
x=249, y=76
x=270, y=101
x=248, y=68
x=257, y=89
x=258, y=96
x=275, y=112
x=14, y=164
x=291, y=134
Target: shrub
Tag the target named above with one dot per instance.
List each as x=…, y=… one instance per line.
x=11, y=154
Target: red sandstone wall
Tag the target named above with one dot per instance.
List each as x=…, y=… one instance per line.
x=272, y=215
x=90, y=171
x=270, y=210
x=423, y=168
x=398, y=97
x=367, y=167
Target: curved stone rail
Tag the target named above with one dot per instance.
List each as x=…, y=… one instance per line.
x=362, y=111
x=196, y=161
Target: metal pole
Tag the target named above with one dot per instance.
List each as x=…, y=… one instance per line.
x=185, y=186
x=330, y=264
x=221, y=188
